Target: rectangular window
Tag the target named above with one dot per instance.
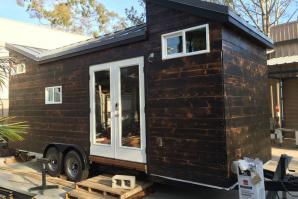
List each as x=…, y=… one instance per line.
x=19, y=69
x=191, y=41
x=53, y=95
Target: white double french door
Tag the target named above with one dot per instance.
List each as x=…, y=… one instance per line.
x=117, y=117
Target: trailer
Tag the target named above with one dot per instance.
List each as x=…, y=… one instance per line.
x=178, y=98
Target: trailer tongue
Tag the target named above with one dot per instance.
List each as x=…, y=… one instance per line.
x=254, y=181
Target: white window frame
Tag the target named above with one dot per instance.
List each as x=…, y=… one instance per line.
x=16, y=70
x=46, y=95
x=182, y=33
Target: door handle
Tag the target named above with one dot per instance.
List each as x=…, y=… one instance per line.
x=116, y=110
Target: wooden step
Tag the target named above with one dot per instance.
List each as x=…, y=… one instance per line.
x=101, y=188
x=82, y=194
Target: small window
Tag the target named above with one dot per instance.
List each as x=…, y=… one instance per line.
x=19, y=69
x=53, y=95
x=174, y=45
x=186, y=42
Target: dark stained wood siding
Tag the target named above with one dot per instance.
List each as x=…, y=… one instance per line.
x=186, y=100
x=246, y=98
x=185, y=117
x=62, y=123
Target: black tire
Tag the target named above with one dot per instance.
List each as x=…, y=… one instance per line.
x=73, y=167
x=54, y=166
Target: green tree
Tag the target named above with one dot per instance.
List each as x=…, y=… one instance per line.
x=9, y=130
x=81, y=16
x=12, y=131
x=134, y=16
x=263, y=14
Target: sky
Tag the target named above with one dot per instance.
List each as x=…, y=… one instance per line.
x=9, y=9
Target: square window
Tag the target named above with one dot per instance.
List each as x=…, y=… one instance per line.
x=174, y=45
x=196, y=40
x=53, y=95
x=19, y=69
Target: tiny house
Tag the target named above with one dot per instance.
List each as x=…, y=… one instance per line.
x=179, y=98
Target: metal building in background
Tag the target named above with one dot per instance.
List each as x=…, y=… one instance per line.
x=283, y=74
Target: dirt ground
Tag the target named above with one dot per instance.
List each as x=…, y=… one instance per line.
x=23, y=183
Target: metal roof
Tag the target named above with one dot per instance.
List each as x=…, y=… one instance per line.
x=29, y=51
x=122, y=37
x=211, y=11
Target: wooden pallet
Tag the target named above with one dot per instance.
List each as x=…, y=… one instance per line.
x=6, y=194
x=37, y=176
x=82, y=194
x=101, y=187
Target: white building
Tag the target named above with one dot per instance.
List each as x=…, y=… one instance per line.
x=30, y=35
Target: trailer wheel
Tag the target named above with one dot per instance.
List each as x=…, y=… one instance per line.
x=54, y=166
x=73, y=167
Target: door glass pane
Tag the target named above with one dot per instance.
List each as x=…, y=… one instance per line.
x=130, y=110
x=103, y=107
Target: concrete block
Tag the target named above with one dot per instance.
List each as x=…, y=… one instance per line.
x=123, y=182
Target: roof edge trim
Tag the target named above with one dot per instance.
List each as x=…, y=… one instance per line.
x=48, y=59
x=249, y=29
x=23, y=51
x=96, y=46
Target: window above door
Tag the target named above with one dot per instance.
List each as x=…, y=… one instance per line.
x=187, y=42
